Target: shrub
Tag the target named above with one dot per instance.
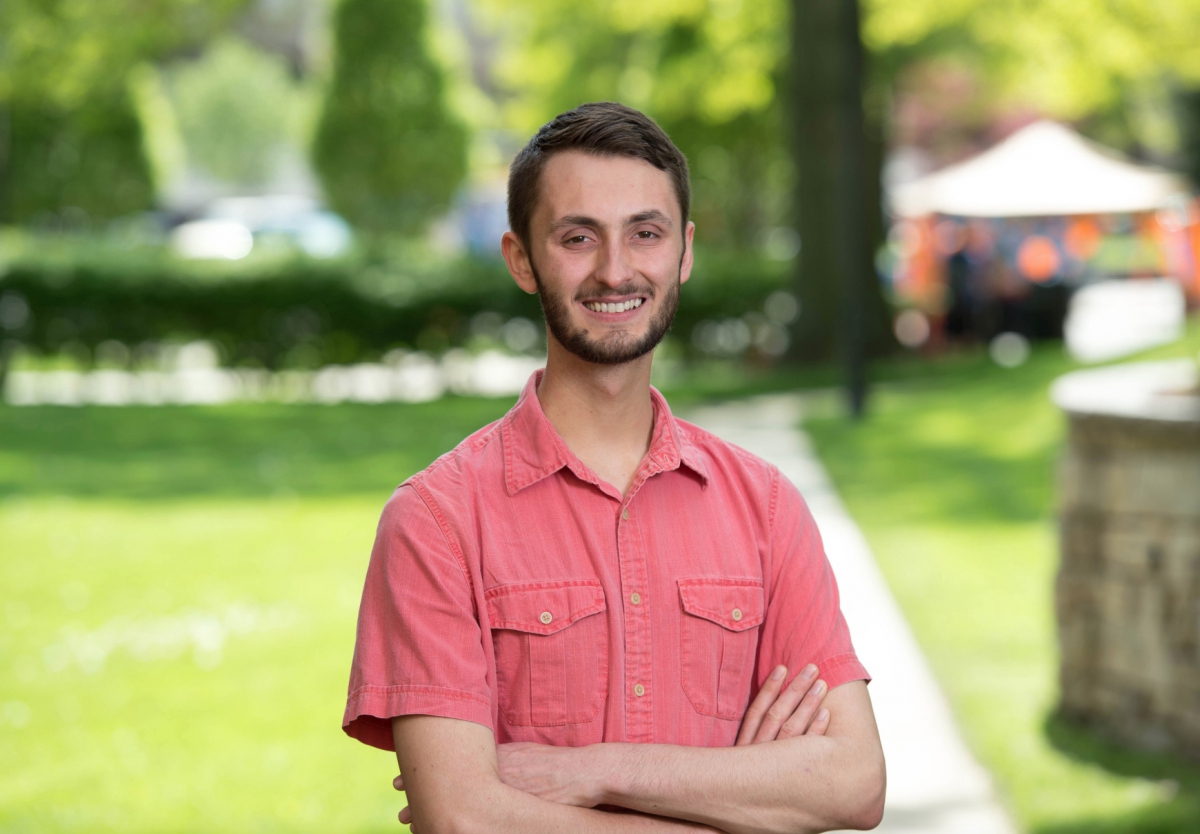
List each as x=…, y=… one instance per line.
x=389, y=154
x=306, y=313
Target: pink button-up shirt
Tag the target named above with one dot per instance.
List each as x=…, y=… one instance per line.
x=511, y=587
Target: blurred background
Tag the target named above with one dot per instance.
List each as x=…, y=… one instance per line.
x=250, y=280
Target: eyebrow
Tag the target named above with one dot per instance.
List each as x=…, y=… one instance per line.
x=582, y=220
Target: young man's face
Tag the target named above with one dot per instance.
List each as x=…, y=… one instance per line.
x=608, y=252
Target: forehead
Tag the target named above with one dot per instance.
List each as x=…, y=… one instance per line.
x=609, y=188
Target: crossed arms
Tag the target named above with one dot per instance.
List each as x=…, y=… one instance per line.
x=830, y=777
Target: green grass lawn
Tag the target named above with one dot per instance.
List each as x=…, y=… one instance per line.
x=178, y=589
x=178, y=592
x=952, y=480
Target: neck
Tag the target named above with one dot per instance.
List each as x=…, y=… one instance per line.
x=602, y=412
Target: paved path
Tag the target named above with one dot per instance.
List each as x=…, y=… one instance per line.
x=935, y=786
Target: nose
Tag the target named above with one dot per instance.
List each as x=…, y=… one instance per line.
x=613, y=266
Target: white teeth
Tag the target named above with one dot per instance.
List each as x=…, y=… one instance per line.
x=606, y=307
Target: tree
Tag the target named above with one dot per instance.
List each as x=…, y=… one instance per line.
x=707, y=72
x=69, y=136
x=838, y=197
x=389, y=154
x=237, y=106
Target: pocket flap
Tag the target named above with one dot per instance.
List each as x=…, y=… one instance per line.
x=735, y=604
x=543, y=607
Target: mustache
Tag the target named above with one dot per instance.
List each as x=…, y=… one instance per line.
x=628, y=288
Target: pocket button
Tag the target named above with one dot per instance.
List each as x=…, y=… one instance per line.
x=737, y=615
x=547, y=617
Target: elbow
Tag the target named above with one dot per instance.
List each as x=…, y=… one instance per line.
x=864, y=806
x=463, y=818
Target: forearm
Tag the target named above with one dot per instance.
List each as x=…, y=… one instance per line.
x=802, y=784
x=498, y=809
x=452, y=780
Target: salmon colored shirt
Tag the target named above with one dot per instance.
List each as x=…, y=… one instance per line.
x=511, y=587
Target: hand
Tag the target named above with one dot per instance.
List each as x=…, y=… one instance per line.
x=779, y=712
x=556, y=774
x=405, y=815
x=566, y=775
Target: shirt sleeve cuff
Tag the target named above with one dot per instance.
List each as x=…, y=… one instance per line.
x=370, y=709
x=840, y=669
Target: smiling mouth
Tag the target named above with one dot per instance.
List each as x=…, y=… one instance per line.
x=613, y=307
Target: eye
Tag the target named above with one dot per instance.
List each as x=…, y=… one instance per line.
x=646, y=234
x=577, y=239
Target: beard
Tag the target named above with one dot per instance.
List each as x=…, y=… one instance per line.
x=616, y=347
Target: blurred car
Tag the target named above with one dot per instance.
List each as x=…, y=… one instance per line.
x=231, y=227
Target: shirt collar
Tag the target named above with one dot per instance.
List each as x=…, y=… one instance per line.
x=533, y=449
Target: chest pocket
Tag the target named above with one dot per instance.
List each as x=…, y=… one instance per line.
x=551, y=645
x=718, y=642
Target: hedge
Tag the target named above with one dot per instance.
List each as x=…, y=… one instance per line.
x=307, y=313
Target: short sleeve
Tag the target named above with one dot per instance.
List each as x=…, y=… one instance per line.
x=804, y=622
x=418, y=648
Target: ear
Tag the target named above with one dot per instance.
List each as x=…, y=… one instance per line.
x=518, y=263
x=685, y=265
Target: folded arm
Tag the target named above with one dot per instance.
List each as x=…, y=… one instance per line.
x=813, y=782
x=453, y=784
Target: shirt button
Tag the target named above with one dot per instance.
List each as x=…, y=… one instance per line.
x=547, y=617
x=639, y=690
x=625, y=514
x=635, y=598
x=737, y=615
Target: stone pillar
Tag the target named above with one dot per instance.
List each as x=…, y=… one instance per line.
x=1128, y=589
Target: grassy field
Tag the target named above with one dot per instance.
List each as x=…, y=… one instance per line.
x=178, y=590
x=952, y=479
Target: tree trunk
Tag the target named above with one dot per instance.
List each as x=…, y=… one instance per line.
x=815, y=72
x=838, y=158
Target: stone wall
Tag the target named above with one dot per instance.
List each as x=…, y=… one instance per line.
x=1128, y=588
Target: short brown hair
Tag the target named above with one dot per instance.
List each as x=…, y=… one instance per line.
x=602, y=128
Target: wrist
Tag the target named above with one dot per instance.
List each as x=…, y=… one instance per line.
x=607, y=785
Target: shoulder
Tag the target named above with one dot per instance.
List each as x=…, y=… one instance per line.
x=732, y=466
x=725, y=457
x=475, y=455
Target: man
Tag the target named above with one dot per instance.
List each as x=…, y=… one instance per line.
x=572, y=609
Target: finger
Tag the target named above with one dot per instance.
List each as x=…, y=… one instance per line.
x=762, y=702
x=819, y=725
x=398, y=782
x=406, y=815
x=805, y=711
x=785, y=704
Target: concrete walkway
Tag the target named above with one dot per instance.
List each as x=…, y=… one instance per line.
x=935, y=786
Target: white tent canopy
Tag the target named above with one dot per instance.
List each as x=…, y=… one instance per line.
x=1042, y=170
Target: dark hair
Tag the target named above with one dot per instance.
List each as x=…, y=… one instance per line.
x=602, y=128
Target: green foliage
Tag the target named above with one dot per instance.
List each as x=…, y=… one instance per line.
x=83, y=164
x=307, y=313
x=1070, y=57
x=237, y=107
x=708, y=72
x=301, y=314
x=68, y=134
x=389, y=154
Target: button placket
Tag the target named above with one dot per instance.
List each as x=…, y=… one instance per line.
x=638, y=706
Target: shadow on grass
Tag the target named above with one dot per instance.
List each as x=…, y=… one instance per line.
x=1171, y=780
x=229, y=451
